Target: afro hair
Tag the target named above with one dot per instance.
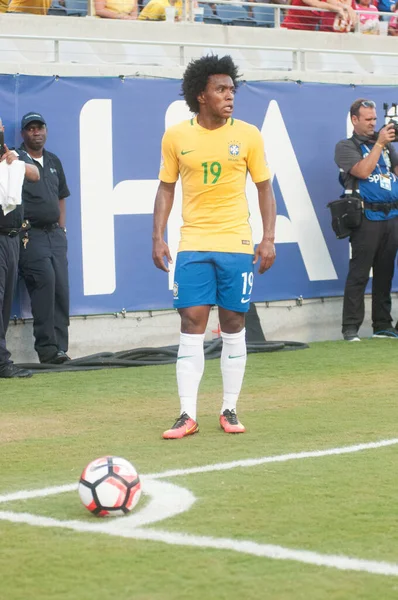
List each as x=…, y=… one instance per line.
x=197, y=74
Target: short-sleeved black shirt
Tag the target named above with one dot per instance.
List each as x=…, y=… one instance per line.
x=15, y=217
x=41, y=198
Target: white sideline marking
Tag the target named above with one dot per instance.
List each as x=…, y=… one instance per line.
x=168, y=500
x=249, y=462
x=254, y=462
x=341, y=562
x=27, y=494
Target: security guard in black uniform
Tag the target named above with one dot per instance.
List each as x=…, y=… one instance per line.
x=12, y=226
x=43, y=262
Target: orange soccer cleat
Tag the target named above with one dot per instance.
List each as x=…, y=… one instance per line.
x=230, y=423
x=182, y=427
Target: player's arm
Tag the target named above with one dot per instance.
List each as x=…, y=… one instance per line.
x=259, y=171
x=265, y=251
x=163, y=205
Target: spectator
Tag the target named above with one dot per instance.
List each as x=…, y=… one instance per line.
x=339, y=23
x=393, y=22
x=300, y=19
x=369, y=21
x=43, y=263
x=116, y=9
x=33, y=7
x=369, y=163
x=11, y=225
x=385, y=5
x=155, y=10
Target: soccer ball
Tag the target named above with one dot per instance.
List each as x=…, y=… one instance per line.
x=109, y=486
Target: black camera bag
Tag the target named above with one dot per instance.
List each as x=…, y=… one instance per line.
x=346, y=215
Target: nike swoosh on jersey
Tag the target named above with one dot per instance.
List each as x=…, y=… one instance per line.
x=244, y=301
x=188, y=356
x=237, y=356
x=183, y=152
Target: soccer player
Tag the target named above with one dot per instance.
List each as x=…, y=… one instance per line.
x=212, y=153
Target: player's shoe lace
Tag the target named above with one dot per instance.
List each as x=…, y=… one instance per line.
x=181, y=421
x=183, y=426
x=230, y=423
x=231, y=417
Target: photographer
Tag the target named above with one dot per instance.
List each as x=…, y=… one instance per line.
x=369, y=166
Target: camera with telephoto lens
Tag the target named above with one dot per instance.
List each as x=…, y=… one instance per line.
x=391, y=116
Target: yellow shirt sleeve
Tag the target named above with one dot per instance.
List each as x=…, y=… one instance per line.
x=256, y=161
x=153, y=11
x=169, y=166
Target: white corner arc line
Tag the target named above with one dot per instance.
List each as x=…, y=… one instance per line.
x=249, y=462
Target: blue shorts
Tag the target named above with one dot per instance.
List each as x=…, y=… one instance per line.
x=222, y=278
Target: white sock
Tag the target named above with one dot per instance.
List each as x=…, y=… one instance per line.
x=233, y=363
x=190, y=367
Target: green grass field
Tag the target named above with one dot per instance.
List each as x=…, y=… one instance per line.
x=329, y=396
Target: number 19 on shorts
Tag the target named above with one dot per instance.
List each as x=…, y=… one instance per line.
x=247, y=285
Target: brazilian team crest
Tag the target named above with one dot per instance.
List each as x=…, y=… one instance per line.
x=234, y=148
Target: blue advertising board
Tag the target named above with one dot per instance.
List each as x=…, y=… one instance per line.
x=107, y=132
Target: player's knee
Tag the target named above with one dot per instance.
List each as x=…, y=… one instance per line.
x=232, y=322
x=193, y=321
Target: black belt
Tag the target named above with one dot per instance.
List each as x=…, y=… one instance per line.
x=45, y=226
x=385, y=207
x=9, y=231
x=14, y=231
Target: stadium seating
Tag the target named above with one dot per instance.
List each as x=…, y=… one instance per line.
x=234, y=14
x=76, y=8
x=264, y=15
x=209, y=17
x=57, y=10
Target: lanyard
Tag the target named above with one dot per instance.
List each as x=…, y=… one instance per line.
x=378, y=166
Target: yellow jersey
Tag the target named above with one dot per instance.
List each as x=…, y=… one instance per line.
x=34, y=7
x=213, y=166
x=3, y=6
x=155, y=10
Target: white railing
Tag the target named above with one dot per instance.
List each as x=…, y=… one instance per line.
x=299, y=54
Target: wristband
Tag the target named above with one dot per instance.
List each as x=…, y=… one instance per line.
x=381, y=145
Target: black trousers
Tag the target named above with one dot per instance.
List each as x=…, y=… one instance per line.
x=374, y=244
x=44, y=267
x=9, y=252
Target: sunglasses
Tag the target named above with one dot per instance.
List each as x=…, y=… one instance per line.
x=368, y=104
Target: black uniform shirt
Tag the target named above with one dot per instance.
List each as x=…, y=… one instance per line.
x=41, y=198
x=14, y=218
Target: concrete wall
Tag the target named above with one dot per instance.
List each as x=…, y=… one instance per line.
x=314, y=320
x=107, y=59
